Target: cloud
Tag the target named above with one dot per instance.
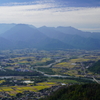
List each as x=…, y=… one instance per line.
x=50, y=13
x=25, y=2
x=67, y=3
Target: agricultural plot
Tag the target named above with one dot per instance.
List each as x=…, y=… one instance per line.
x=79, y=60
x=73, y=63
x=64, y=65
x=13, y=90
x=72, y=67
x=1, y=81
x=46, y=83
x=66, y=81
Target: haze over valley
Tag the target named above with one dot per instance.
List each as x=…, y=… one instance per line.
x=18, y=36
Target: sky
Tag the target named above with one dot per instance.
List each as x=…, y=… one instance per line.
x=81, y=14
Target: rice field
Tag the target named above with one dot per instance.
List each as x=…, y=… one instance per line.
x=1, y=81
x=64, y=65
x=46, y=83
x=13, y=90
x=70, y=67
x=79, y=60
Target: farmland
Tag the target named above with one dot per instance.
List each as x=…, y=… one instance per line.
x=13, y=90
x=60, y=62
x=44, y=70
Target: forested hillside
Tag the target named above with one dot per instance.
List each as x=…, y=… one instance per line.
x=95, y=67
x=77, y=92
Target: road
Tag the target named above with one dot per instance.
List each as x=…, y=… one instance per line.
x=50, y=65
x=85, y=74
x=52, y=75
x=95, y=80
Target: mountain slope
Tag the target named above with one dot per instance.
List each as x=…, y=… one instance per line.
x=22, y=32
x=51, y=32
x=25, y=36
x=73, y=31
x=5, y=27
x=95, y=67
x=71, y=38
x=69, y=30
x=5, y=44
x=28, y=36
x=76, y=92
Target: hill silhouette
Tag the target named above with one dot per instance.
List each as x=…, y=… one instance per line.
x=28, y=36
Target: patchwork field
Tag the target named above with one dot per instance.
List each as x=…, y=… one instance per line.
x=72, y=67
x=13, y=90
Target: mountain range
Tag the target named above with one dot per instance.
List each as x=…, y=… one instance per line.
x=19, y=36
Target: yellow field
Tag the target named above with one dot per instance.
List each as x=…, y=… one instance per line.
x=40, y=87
x=13, y=90
x=1, y=81
x=45, y=59
x=79, y=60
x=46, y=83
x=71, y=72
x=21, y=58
x=7, y=89
x=64, y=64
x=71, y=65
x=24, y=62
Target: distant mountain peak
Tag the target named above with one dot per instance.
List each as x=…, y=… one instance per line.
x=61, y=37
x=68, y=30
x=47, y=27
x=70, y=27
x=22, y=25
x=25, y=25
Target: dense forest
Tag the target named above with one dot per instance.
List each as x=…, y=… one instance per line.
x=16, y=73
x=95, y=67
x=76, y=92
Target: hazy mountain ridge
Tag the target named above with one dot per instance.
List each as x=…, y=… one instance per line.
x=5, y=44
x=5, y=27
x=28, y=36
x=74, y=37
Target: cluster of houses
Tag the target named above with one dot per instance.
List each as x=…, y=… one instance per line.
x=3, y=94
x=41, y=94
x=27, y=95
x=22, y=68
x=16, y=67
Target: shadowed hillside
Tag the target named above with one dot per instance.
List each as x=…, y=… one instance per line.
x=77, y=92
x=50, y=38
